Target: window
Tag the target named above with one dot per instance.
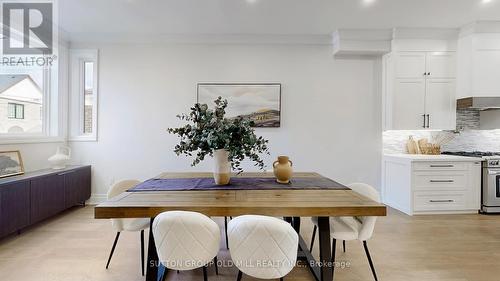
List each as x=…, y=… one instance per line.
x=12, y=110
x=23, y=95
x=32, y=83
x=16, y=111
x=83, y=95
x=88, y=100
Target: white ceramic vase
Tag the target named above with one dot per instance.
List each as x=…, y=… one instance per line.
x=60, y=159
x=222, y=167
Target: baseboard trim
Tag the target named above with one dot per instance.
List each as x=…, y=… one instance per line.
x=96, y=199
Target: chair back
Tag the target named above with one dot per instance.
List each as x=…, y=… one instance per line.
x=120, y=187
x=185, y=240
x=262, y=247
x=115, y=190
x=368, y=223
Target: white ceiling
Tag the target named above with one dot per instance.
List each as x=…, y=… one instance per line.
x=286, y=17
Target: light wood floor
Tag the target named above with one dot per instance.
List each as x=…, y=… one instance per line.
x=74, y=246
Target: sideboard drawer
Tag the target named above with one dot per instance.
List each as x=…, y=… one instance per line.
x=440, y=166
x=440, y=181
x=438, y=201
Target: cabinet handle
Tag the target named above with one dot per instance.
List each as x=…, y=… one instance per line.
x=442, y=201
x=442, y=166
x=428, y=74
x=442, y=181
x=428, y=120
x=423, y=115
x=425, y=73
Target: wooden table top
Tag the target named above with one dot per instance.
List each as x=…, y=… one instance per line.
x=283, y=202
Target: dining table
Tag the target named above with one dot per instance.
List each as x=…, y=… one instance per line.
x=308, y=194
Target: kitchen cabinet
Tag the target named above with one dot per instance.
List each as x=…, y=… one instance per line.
x=36, y=196
x=420, y=91
x=478, y=63
x=410, y=65
x=408, y=104
x=485, y=77
x=432, y=184
x=440, y=65
x=440, y=104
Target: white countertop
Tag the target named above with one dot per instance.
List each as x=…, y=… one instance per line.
x=442, y=157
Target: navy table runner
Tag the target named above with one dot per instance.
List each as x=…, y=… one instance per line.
x=237, y=183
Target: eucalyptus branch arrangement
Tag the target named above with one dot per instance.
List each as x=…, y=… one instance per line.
x=208, y=130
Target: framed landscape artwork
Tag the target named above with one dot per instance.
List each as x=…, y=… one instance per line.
x=259, y=102
x=11, y=164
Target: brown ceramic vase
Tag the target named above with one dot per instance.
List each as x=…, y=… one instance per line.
x=282, y=169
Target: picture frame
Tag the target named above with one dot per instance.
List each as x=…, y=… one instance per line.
x=261, y=102
x=11, y=163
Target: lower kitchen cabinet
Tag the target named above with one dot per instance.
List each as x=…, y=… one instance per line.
x=432, y=184
x=35, y=196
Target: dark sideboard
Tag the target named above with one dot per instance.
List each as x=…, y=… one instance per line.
x=35, y=196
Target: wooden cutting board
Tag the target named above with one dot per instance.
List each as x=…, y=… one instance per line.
x=412, y=146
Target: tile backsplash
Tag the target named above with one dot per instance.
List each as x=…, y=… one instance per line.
x=468, y=119
x=468, y=140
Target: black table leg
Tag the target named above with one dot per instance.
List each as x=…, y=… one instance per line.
x=152, y=268
x=296, y=224
x=321, y=270
x=325, y=249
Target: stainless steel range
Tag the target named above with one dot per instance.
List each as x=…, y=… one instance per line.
x=490, y=179
x=491, y=185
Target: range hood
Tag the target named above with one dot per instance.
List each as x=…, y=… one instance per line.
x=479, y=103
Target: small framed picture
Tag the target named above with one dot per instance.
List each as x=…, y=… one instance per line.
x=11, y=163
x=260, y=103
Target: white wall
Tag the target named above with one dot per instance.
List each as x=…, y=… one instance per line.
x=330, y=108
x=34, y=155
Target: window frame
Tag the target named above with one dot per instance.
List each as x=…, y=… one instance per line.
x=20, y=113
x=16, y=106
x=53, y=111
x=50, y=78
x=78, y=58
x=11, y=108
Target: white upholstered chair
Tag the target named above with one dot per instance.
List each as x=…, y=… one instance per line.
x=127, y=224
x=186, y=240
x=262, y=247
x=353, y=228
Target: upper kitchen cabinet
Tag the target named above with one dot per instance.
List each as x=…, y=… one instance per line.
x=409, y=104
x=419, y=90
x=441, y=65
x=440, y=103
x=425, y=65
x=410, y=65
x=479, y=60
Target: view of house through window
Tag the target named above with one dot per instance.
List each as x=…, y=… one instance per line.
x=16, y=111
x=88, y=97
x=21, y=101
